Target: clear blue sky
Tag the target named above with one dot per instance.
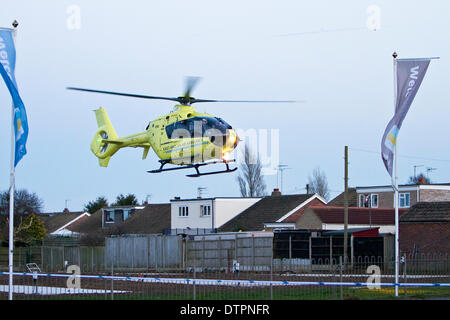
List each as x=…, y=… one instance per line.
x=243, y=50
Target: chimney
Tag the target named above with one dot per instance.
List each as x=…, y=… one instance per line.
x=66, y=210
x=276, y=192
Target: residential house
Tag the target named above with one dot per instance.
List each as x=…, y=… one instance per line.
x=272, y=212
x=205, y=214
x=332, y=218
x=59, y=224
x=383, y=196
x=425, y=228
x=113, y=216
x=339, y=200
x=91, y=225
x=151, y=219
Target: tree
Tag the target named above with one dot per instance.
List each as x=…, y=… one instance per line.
x=33, y=230
x=27, y=229
x=94, y=206
x=250, y=179
x=318, y=183
x=128, y=200
x=420, y=179
x=24, y=202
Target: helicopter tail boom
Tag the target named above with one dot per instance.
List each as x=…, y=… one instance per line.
x=106, y=141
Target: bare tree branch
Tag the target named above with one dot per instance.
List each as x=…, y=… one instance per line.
x=24, y=202
x=318, y=183
x=250, y=179
x=22, y=226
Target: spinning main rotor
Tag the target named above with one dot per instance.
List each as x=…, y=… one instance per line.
x=185, y=99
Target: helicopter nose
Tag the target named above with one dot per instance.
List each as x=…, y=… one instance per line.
x=232, y=139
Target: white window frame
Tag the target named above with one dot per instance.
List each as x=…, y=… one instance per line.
x=371, y=199
x=205, y=210
x=361, y=200
x=183, y=211
x=404, y=199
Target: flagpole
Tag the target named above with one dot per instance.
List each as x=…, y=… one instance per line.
x=11, y=194
x=394, y=55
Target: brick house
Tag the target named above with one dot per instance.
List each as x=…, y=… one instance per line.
x=332, y=218
x=339, y=200
x=425, y=228
x=383, y=196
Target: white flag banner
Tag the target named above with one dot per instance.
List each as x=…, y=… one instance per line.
x=410, y=73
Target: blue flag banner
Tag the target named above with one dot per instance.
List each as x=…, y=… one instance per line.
x=7, y=68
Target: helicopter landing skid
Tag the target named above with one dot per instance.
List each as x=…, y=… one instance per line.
x=196, y=166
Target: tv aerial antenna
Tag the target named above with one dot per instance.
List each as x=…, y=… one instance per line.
x=280, y=169
x=201, y=191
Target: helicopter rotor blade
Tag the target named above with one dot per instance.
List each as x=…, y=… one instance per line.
x=191, y=83
x=248, y=101
x=125, y=94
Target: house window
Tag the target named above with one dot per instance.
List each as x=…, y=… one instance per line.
x=205, y=211
x=183, y=211
x=109, y=216
x=361, y=200
x=404, y=200
x=366, y=201
x=374, y=200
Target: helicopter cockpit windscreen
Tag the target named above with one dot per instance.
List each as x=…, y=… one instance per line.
x=221, y=121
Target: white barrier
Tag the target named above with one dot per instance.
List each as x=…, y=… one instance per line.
x=218, y=282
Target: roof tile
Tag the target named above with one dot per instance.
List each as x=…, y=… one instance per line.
x=268, y=209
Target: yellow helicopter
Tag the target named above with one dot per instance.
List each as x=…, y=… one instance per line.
x=185, y=138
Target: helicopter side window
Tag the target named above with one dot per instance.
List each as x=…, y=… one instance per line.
x=169, y=130
x=180, y=129
x=191, y=127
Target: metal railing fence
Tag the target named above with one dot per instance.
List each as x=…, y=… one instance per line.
x=357, y=278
